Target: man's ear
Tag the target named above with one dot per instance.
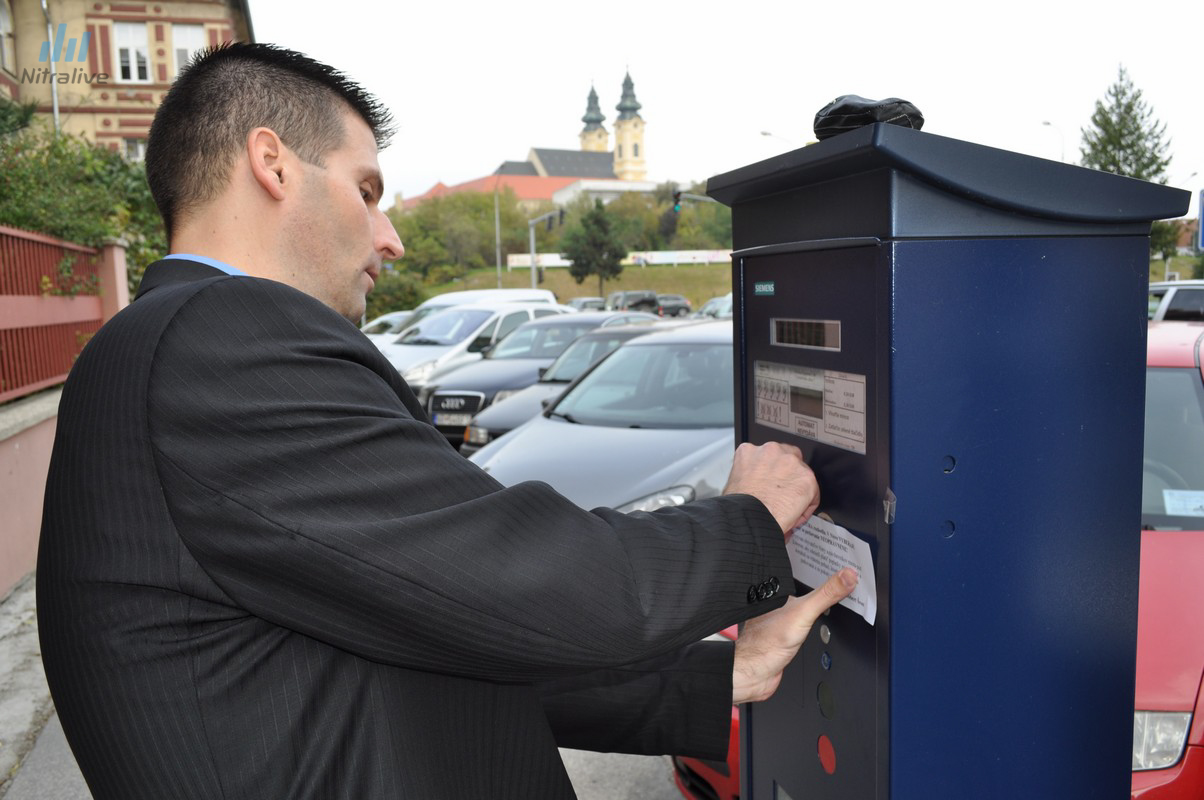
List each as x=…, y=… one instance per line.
x=266, y=154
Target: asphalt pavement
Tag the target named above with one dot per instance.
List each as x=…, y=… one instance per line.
x=36, y=762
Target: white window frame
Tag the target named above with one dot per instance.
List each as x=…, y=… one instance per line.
x=134, y=149
x=132, y=39
x=186, y=42
x=8, y=46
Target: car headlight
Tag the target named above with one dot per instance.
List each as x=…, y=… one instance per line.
x=420, y=373
x=476, y=435
x=673, y=496
x=1158, y=738
x=504, y=393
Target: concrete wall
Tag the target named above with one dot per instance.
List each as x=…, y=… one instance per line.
x=26, y=436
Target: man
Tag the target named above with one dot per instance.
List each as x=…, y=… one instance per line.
x=263, y=574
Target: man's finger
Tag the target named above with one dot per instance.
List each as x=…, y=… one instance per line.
x=835, y=588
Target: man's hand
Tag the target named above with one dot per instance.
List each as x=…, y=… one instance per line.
x=768, y=643
x=776, y=475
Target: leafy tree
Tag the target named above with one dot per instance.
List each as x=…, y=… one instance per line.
x=69, y=188
x=456, y=231
x=15, y=116
x=594, y=247
x=396, y=289
x=1126, y=139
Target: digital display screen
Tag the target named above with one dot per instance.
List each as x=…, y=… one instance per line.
x=816, y=334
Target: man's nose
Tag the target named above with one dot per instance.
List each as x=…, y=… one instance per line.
x=388, y=243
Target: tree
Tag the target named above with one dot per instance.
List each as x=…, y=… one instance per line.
x=69, y=188
x=593, y=246
x=1124, y=138
x=456, y=232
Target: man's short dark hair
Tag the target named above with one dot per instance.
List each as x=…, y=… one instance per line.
x=225, y=93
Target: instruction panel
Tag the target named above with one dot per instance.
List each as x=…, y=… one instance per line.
x=823, y=405
x=819, y=549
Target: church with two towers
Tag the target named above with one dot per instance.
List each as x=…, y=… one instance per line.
x=558, y=175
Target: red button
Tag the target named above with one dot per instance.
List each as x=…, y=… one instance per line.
x=827, y=755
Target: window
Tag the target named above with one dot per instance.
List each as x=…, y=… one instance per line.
x=7, y=52
x=133, y=53
x=620, y=151
x=135, y=149
x=186, y=42
x=636, y=148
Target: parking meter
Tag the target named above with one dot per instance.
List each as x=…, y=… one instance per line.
x=954, y=335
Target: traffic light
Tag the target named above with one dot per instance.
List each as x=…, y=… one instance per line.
x=676, y=201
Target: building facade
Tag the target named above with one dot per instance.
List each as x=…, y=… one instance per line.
x=101, y=69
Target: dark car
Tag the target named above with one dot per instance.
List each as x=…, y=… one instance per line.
x=673, y=305
x=513, y=410
x=647, y=427
x=511, y=365
x=634, y=300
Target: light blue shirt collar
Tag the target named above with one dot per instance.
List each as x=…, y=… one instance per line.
x=209, y=262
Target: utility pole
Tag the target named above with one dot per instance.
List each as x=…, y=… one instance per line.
x=531, y=223
x=497, y=236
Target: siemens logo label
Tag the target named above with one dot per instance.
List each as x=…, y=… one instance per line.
x=763, y=288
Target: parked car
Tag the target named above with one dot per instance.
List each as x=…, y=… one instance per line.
x=647, y=427
x=441, y=302
x=716, y=308
x=635, y=300
x=1168, y=725
x=453, y=396
x=509, y=412
x=1181, y=301
x=391, y=324
x=456, y=336
x=673, y=305
x=587, y=303
x=1168, y=718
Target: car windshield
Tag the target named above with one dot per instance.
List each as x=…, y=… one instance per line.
x=452, y=326
x=580, y=356
x=669, y=385
x=1172, y=488
x=545, y=341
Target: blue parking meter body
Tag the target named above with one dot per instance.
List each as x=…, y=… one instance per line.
x=954, y=336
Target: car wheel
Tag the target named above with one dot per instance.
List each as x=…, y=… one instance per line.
x=681, y=312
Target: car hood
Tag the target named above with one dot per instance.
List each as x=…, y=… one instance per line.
x=1170, y=640
x=518, y=408
x=491, y=375
x=404, y=356
x=599, y=466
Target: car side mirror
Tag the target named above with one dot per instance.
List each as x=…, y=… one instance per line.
x=543, y=371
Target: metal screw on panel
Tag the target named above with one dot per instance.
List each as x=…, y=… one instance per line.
x=825, y=634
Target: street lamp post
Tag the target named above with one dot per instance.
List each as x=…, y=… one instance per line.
x=1061, y=138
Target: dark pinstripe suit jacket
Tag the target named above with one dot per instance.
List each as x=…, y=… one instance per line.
x=264, y=575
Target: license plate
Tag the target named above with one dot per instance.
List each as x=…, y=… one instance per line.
x=453, y=420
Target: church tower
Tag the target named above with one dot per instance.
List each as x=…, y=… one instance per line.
x=629, y=136
x=594, y=138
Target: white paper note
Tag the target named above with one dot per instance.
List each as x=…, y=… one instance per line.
x=819, y=548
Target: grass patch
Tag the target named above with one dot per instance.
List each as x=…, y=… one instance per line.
x=696, y=282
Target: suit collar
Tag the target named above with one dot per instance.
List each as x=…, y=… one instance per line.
x=175, y=270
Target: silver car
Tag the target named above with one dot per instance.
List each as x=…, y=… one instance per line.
x=649, y=426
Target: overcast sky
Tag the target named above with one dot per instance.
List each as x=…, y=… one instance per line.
x=475, y=83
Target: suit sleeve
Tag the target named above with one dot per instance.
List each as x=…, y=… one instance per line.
x=676, y=704
x=302, y=478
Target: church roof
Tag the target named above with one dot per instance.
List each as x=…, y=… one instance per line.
x=628, y=106
x=516, y=168
x=593, y=118
x=574, y=163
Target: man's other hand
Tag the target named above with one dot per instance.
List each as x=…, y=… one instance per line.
x=776, y=475
x=769, y=642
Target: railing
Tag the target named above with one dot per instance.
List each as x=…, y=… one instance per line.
x=49, y=308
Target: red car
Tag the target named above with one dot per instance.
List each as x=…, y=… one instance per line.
x=1168, y=728
x=1168, y=723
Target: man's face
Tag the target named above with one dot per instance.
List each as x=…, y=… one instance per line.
x=337, y=234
